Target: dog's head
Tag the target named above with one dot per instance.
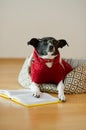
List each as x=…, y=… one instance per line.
x=47, y=46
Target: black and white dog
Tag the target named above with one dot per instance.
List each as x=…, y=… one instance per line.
x=46, y=66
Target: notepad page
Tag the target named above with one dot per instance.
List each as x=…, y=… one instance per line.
x=25, y=96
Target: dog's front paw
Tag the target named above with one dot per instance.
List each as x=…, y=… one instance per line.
x=35, y=90
x=62, y=98
x=36, y=95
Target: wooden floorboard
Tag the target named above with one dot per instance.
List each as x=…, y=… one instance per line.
x=70, y=115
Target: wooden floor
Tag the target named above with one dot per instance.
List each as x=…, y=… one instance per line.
x=70, y=115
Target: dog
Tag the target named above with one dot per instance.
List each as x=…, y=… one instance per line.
x=45, y=64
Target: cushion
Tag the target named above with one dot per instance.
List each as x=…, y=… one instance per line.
x=72, y=84
x=75, y=81
x=75, y=62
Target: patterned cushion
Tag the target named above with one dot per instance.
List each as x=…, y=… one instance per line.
x=71, y=86
x=50, y=88
x=75, y=81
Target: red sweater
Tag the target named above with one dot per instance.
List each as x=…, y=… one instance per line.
x=40, y=73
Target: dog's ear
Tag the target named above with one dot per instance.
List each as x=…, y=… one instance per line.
x=33, y=42
x=62, y=43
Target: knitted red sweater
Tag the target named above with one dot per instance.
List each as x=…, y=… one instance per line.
x=40, y=73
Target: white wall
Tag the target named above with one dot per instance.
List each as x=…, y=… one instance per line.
x=20, y=20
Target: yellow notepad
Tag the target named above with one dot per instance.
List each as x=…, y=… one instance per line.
x=24, y=97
